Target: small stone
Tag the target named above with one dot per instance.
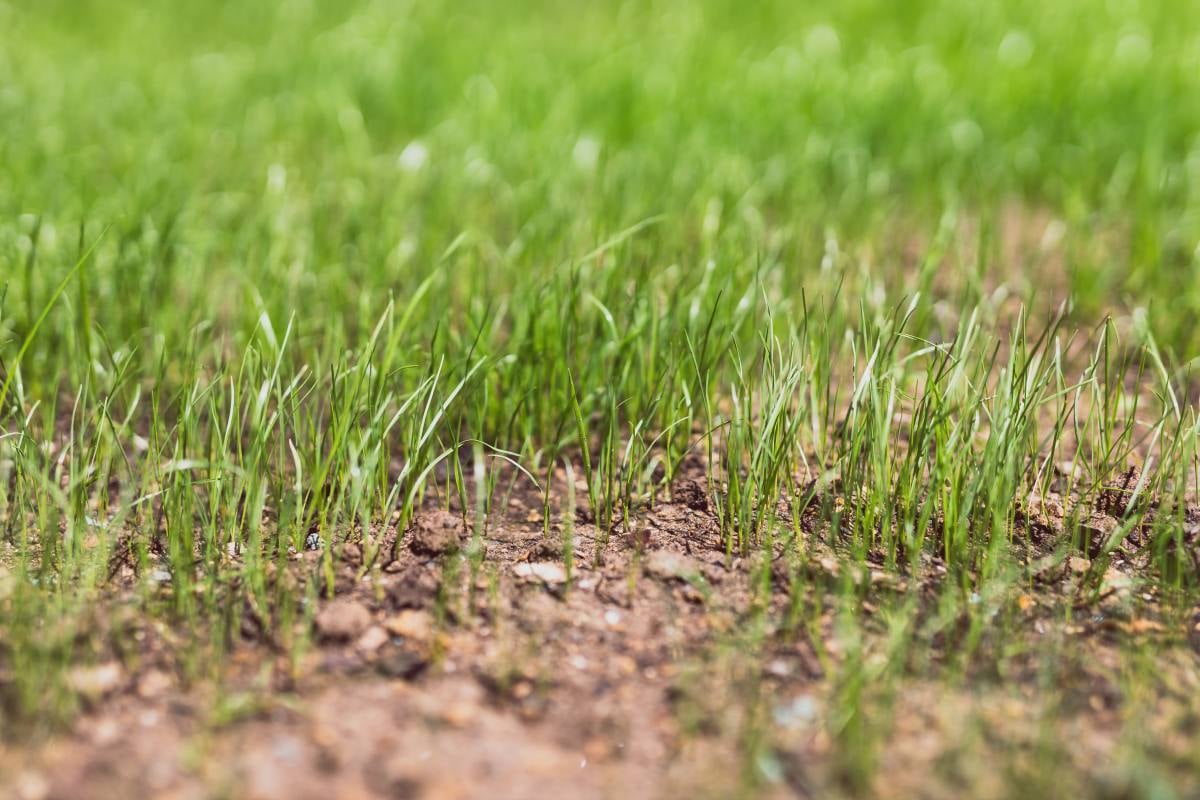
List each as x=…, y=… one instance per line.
x=411, y=624
x=670, y=565
x=436, y=532
x=887, y=580
x=342, y=620
x=105, y=732
x=97, y=681
x=402, y=662
x=152, y=684
x=372, y=639
x=1069, y=469
x=1117, y=584
x=548, y=572
x=800, y=712
x=543, y=550
x=1079, y=564
x=414, y=590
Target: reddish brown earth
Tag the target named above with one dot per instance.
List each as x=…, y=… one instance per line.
x=648, y=675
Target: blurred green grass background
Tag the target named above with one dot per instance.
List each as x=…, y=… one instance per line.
x=327, y=152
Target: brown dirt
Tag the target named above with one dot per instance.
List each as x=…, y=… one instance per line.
x=650, y=674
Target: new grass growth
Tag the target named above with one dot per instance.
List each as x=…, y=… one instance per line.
x=284, y=274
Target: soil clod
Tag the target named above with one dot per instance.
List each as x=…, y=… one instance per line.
x=401, y=662
x=436, y=533
x=342, y=620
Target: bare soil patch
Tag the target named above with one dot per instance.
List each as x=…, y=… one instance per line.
x=661, y=669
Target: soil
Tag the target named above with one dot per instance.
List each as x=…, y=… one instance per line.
x=647, y=672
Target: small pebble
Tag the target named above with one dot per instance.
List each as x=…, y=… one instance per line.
x=342, y=620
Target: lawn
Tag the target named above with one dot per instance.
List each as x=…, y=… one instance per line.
x=647, y=399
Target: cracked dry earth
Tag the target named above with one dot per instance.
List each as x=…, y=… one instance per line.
x=648, y=675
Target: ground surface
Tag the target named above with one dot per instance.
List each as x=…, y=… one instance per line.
x=650, y=675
